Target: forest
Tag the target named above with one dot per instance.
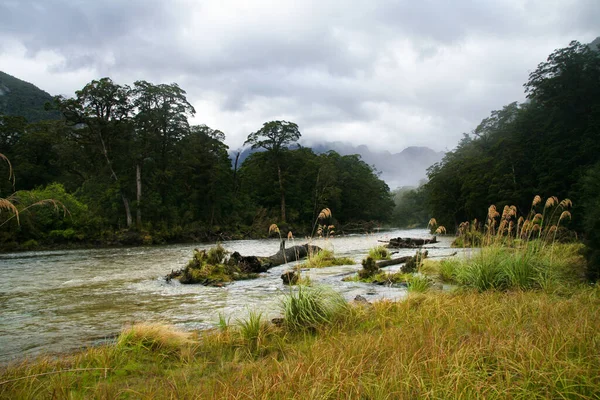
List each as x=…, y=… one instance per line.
x=123, y=165
x=546, y=146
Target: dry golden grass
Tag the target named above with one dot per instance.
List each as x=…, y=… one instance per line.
x=324, y=214
x=273, y=229
x=493, y=345
x=11, y=176
x=154, y=336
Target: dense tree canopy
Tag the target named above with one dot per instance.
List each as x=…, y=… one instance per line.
x=133, y=169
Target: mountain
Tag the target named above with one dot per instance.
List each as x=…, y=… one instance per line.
x=18, y=97
x=406, y=168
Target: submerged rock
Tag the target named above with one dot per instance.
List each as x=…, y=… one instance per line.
x=290, y=277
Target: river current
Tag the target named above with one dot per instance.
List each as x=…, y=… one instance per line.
x=60, y=301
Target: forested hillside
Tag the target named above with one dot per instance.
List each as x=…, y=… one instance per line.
x=547, y=146
x=20, y=98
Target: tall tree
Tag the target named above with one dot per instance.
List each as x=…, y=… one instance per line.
x=104, y=109
x=161, y=121
x=275, y=137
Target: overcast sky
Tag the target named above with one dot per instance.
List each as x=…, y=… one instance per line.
x=389, y=74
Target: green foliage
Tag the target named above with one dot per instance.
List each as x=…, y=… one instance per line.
x=129, y=157
x=369, y=268
x=410, y=209
x=415, y=262
x=309, y=308
x=590, y=184
x=274, y=136
x=544, y=146
x=325, y=258
x=419, y=283
x=253, y=330
x=313, y=182
x=212, y=267
x=379, y=253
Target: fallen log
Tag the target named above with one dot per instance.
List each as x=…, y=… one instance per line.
x=284, y=256
x=409, y=243
x=395, y=261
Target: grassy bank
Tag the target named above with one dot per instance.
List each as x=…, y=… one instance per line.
x=515, y=344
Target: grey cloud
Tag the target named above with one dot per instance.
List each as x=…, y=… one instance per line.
x=330, y=64
x=64, y=24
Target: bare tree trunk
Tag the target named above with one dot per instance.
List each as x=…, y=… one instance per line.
x=235, y=169
x=282, y=193
x=127, y=210
x=138, y=181
x=114, y=176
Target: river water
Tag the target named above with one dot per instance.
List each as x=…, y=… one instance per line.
x=59, y=301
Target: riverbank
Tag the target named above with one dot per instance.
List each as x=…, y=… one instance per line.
x=514, y=344
x=71, y=240
x=123, y=238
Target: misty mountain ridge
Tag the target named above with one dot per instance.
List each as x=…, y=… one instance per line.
x=406, y=168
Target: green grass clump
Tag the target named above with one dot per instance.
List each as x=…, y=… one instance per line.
x=528, y=266
x=254, y=331
x=468, y=345
x=380, y=253
x=419, y=283
x=309, y=308
x=325, y=258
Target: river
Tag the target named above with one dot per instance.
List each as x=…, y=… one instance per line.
x=60, y=301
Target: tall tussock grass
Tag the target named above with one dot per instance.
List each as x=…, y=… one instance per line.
x=493, y=345
x=524, y=267
x=309, y=308
x=517, y=252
